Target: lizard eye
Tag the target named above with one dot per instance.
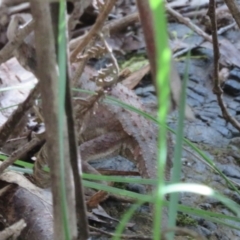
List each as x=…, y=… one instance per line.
x=21, y=21
x=17, y=19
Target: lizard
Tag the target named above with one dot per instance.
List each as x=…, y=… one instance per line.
x=113, y=130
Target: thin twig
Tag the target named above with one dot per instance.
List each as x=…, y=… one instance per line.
x=94, y=30
x=188, y=23
x=13, y=2
x=184, y=232
x=13, y=231
x=112, y=27
x=217, y=89
x=9, y=126
x=204, y=162
x=79, y=7
x=226, y=28
x=79, y=69
x=75, y=160
x=89, y=40
x=123, y=236
x=6, y=52
x=234, y=9
x=109, y=49
x=19, y=8
x=19, y=153
x=48, y=78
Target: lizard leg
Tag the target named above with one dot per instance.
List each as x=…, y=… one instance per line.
x=106, y=145
x=103, y=146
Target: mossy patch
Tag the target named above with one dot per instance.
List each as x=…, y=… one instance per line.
x=184, y=220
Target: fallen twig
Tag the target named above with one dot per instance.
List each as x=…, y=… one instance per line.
x=188, y=23
x=19, y=153
x=94, y=30
x=6, y=52
x=234, y=9
x=217, y=89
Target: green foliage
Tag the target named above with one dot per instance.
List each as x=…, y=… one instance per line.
x=185, y=220
x=62, y=65
x=134, y=63
x=163, y=56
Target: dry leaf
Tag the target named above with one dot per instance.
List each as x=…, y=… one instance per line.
x=176, y=89
x=13, y=75
x=23, y=200
x=134, y=79
x=230, y=55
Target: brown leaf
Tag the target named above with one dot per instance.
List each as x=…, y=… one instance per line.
x=23, y=200
x=13, y=75
x=132, y=80
x=97, y=198
x=230, y=55
x=176, y=89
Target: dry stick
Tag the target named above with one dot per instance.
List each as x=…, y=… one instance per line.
x=48, y=78
x=19, y=153
x=226, y=28
x=16, y=2
x=217, y=89
x=116, y=25
x=146, y=21
x=112, y=26
x=204, y=162
x=10, y=3
x=79, y=7
x=79, y=69
x=234, y=9
x=89, y=39
x=190, y=7
x=6, y=52
x=200, y=12
x=179, y=231
x=123, y=236
x=183, y=232
x=94, y=30
x=15, y=42
x=175, y=81
x=110, y=52
x=188, y=23
x=75, y=159
x=195, y=13
x=19, y=8
x=8, y=127
x=25, y=53
x=4, y=190
x=13, y=231
x=70, y=148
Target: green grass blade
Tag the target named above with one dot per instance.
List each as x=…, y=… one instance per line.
x=196, y=188
x=62, y=63
x=112, y=100
x=177, y=166
x=18, y=162
x=203, y=190
x=163, y=59
x=19, y=86
x=126, y=218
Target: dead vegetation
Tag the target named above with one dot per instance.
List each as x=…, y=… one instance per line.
x=28, y=57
